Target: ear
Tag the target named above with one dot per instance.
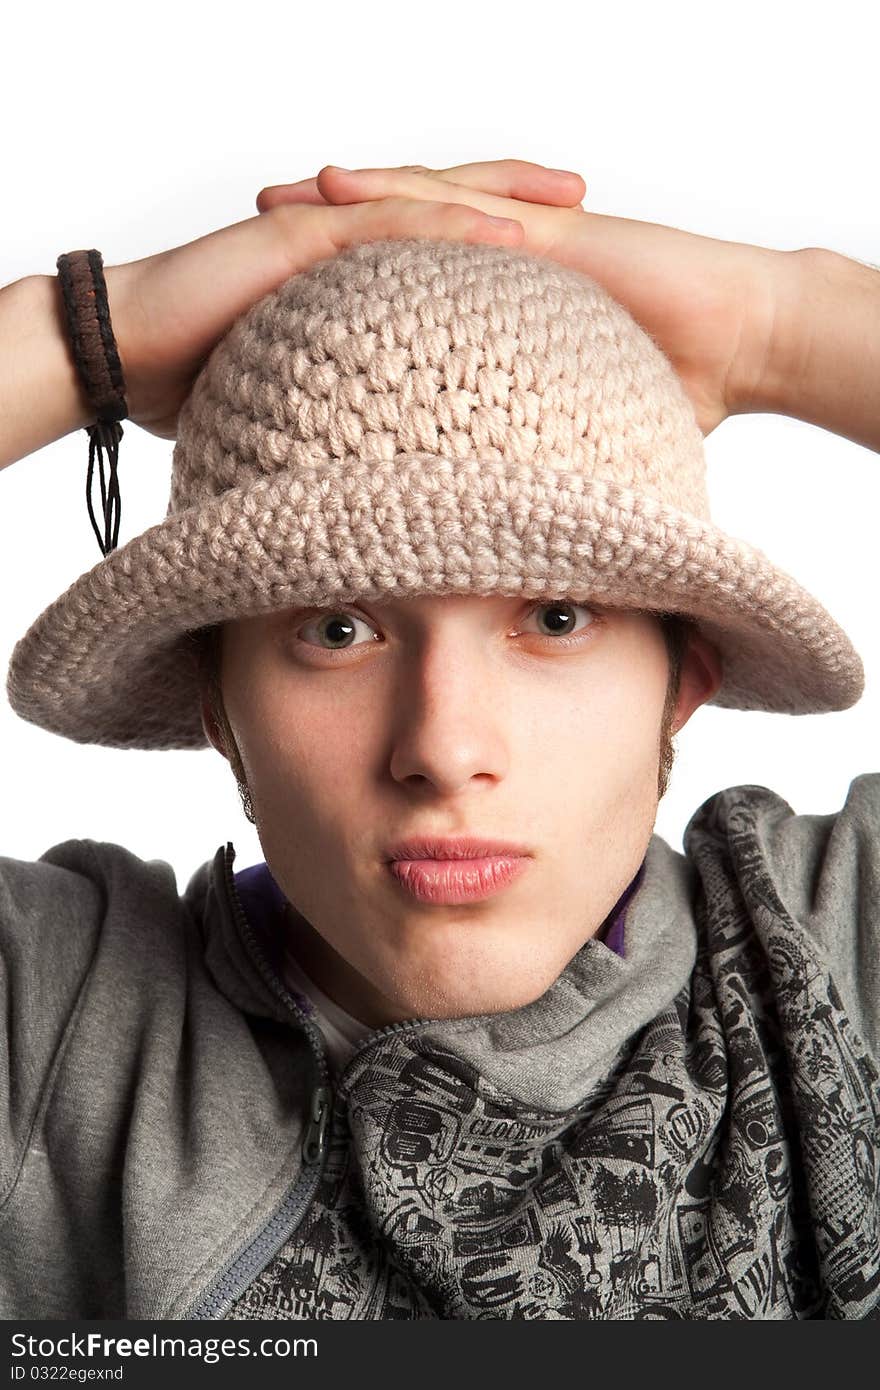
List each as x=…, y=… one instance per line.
x=702, y=672
x=210, y=725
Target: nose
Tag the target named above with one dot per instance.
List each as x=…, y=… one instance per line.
x=449, y=722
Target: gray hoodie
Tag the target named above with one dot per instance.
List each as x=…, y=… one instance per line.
x=688, y=1131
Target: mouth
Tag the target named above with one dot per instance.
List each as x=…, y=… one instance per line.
x=455, y=847
x=450, y=881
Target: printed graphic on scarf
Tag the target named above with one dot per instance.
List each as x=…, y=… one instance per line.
x=726, y=1168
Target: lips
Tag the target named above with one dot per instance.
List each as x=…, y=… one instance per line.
x=457, y=847
x=456, y=881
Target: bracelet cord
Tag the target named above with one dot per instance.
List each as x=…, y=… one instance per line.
x=96, y=356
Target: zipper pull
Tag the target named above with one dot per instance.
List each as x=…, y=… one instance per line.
x=315, y=1138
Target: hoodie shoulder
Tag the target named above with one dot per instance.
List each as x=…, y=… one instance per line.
x=51, y=912
x=63, y=901
x=84, y=907
x=821, y=872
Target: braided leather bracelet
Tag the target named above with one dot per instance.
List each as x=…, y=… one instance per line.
x=84, y=292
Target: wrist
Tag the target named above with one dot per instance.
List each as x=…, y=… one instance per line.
x=43, y=398
x=75, y=410
x=822, y=355
x=774, y=356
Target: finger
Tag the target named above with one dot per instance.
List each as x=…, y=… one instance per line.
x=382, y=184
x=518, y=178
x=303, y=191
x=311, y=234
x=416, y=217
x=306, y=191
x=505, y=178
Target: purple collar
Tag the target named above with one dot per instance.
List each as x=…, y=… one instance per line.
x=611, y=930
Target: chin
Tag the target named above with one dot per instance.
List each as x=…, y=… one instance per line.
x=455, y=1002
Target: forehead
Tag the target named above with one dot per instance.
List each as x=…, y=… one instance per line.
x=439, y=605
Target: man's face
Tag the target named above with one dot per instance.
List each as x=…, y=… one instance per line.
x=530, y=721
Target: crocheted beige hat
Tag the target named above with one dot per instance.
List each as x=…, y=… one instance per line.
x=423, y=417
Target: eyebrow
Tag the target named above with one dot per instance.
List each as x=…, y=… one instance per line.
x=395, y=607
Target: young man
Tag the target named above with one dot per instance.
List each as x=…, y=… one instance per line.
x=430, y=505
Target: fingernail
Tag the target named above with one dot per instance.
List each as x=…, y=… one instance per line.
x=341, y=167
x=502, y=221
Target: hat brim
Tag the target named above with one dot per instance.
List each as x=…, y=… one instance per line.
x=109, y=662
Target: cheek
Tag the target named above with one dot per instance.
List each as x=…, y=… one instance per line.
x=617, y=726
x=603, y=768
x=300, y=751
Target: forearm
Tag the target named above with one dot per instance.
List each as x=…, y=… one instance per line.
x=40, y=396
x=824, y=365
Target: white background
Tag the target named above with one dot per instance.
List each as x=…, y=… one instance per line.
x=134, y=128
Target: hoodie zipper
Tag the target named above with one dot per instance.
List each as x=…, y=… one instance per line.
x=253, y=1257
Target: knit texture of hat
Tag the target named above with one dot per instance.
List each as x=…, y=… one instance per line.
x=423, y=417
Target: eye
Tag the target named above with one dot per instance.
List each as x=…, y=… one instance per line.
x=335, y=629
x=337, y=626
x=556, y=618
